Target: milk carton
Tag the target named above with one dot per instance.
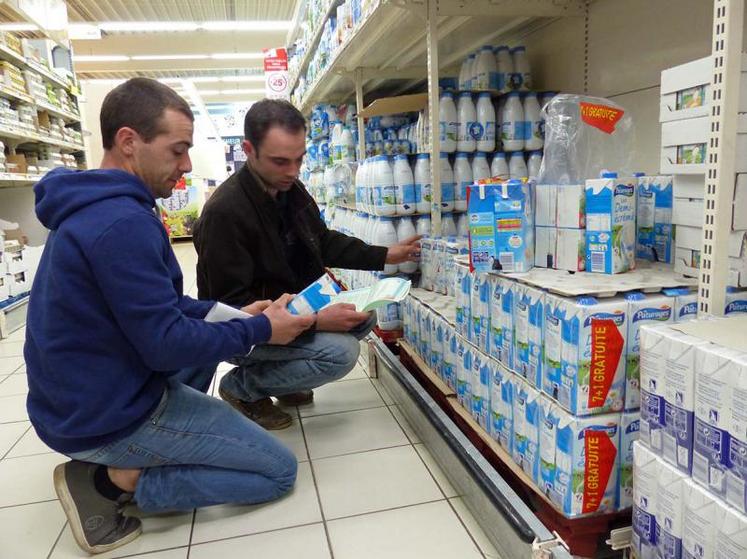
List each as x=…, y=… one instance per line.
x=685, y=306
x=463, y=293
x=642, y=309
x=610, y=224
x=526, y=410
x=450, y=342
x=481, y=380
x=670, y=509
x=502, y=321
x=592, y=355
x=529, y=318
x=654, y=219
x=550, y=414
x=480, y=306
x=716, y=369
x=501, y=407
x=736, y=477
x=699, y=526
x=426, y=263
x=437, y=344
x=464, y=374
x=645, y=481
x=315, y=296
x=629, y=430
x=731, y=533
x=514, y=226
x=736, y=301
x=439, y=266
x=407, y=319
x=654, y=353
x=679, y=400
x=555, y=308
x=483, y=255
x=425, y=334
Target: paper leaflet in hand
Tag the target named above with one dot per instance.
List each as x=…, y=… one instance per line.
x=380, y=294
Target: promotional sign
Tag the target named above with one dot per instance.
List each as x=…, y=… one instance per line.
x=277, y=85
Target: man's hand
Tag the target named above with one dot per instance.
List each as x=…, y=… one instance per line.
x=286, y=327
x=256, y=307
x=341, y=317
x=406, y=251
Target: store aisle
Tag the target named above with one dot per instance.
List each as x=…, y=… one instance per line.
x=367, y=487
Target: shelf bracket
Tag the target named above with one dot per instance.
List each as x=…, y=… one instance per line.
x=544, y=550
x=431, y=27
x=359, y=106
x=721, y=166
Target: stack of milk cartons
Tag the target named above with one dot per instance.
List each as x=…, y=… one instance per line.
x=689, y=464
x=685, y=130
x=560, y=219
x=654, y=231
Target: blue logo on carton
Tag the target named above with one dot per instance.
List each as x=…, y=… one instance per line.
x=476, y=130
x=634, y=427
x=690, y=308
x=617, y=318
x=611, y=430
x=662, y=314
x=624, y=190
x=736, y=306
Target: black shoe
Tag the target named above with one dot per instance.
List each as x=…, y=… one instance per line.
x=97, y=523
x=262, y=412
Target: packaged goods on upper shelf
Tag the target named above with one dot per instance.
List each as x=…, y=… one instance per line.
x=654, y=231
x=497, y=69
x=584, y=136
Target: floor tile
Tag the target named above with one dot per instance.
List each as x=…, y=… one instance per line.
x=14, y=385
x=180, y=553
x=356, y=431
x=30, y=530
x=436, y=470
x=17, y=336
x=402, y=420
x=11, y=349
x=474, y=528
x=372, y=481
x=388, y=400
x=10, y=433
x=357, y=373
x=28, y=479
x=9, y=365
x=309, y=542
x=293, y=438
x=28, y=445
x=342, y=396
x=13, y=408
x=301, y=506
x=430, y=530
x=159, y=532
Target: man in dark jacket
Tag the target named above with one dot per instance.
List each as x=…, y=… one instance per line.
x=261, y=234
x=109, y=330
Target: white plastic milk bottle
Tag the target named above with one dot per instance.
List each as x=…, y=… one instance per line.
x=462, y=178
x=486, y=120
x=405, y=185
x=505, y=67
x=521, y=67
x=466, y=117
x=532, y=116
x=499, y=166
x=405, y=230
x=486, y=74
x=386, y=193
x=385, y=235
x=480, y=167
x=447, y=116
x=447, y=184
x=517, y=167
x=448, y=227
x=512, y=123
x=423, y=183
x=534, y=163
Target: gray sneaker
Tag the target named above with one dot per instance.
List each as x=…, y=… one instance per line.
x=97, y=523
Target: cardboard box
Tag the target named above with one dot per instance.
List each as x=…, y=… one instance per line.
x=688, y=211
x=688, y=186
x=20, y=160
x=570, y=250
x=546, y=200
x=686, y=90
x=4, y=288
x=684, y=146
x=692, y=187
x=545, y=242
x=18, y=283
x=692, y=238
x=560, y=205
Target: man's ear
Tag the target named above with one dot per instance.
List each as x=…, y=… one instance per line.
x=248, y=148
x=125, y=139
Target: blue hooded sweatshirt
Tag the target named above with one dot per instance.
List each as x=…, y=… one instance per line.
x=107, y=320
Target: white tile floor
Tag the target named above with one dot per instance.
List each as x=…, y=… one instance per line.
x=369, y=490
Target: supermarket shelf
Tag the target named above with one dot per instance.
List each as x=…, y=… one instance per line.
x=12, y=56
x=67, y=116
x=13, y=315
x=11, y=180
x=31, y=137
x=353, y=208
x=15, y=95
x=311, y=47
x=438, y=383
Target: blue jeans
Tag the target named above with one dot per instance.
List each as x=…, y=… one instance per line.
x=196, y=451
x=311, y=360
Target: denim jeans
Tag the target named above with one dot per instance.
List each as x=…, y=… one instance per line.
x=311, y=360
x=196, y=451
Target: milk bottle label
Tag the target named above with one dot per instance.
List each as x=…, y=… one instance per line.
x=447, y=193
x=448, y=131
x=422, y=192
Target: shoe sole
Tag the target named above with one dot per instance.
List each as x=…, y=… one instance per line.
x=71, y=511
x=235, y=403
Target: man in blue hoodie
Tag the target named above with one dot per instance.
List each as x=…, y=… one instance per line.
x=109, y=330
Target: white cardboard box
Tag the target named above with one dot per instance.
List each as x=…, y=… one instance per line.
x=692, y=238
x=684, y=146
x=560, y=205
x=545, y=239
x=692, y=82
x=18, y=283
x=546, y=205
x=570, y=250
x=4, y=288
x=688, y=186
x=687, y=263
x=688, y=211
x=689, y=192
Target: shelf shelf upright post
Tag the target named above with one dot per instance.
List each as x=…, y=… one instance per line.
x=359, y=106
x=721, y=175
x=431, y=27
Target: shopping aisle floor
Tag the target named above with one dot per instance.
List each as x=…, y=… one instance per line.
x=367, y=487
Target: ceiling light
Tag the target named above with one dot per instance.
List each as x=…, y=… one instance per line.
x=257, y=78
x=170, y=57
x=83, y=32
x=237, y=56
x=100, y=58
x=208, y=91
x=147, y=26
x=203, y=79
x=18, y=27
x=260, y=25
x=241, y=91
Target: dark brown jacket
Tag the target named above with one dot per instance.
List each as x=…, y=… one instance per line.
x=240, y=252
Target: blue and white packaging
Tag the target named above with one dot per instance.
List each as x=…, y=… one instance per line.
x=699, y=526
x=315, y=297
x=731, y=533
x=480, y=307
x=679, y=400
x=642, y=309
x=501, y=407
x=646, y=467
x=450, y=356
x=529, y=317
x=526, y=411
x=555, y=308
x=715, y=370
x=670, y=512
x=629, y=431
x=610, y=224
x=502, y=321
x=463, y=296
x=464, y=374
x=654, y=219
x=482, y=223
x=424, y=338
x=736, y=477
x=685, y=306
x=736, y=301
x=437, y=344
x=654, y=354
x=480, y=386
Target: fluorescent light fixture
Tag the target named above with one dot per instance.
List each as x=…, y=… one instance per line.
x=203, y=79
x=208, y=91
x=147, y=26
x=18, y=27
x=83, y=32
x=170, y=57
x=254, y=25
x=100, y=58
x=241, y=91
x=237, y=56
x=257, y=78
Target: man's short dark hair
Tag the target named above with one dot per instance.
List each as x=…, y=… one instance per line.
x=267, y=113
x=139, y=103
